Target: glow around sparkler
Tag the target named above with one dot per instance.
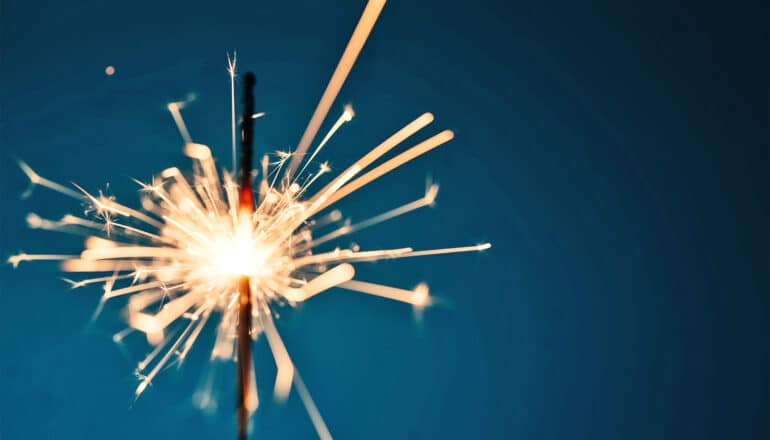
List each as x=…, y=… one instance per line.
x=179, y=257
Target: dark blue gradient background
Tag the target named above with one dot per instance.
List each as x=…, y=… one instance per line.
x=615, y=154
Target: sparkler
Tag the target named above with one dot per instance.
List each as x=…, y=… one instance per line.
x=200, y=246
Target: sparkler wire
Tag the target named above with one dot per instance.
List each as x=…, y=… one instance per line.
x=246, y=207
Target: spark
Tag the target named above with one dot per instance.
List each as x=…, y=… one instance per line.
x=418, y=296
x=349, y=56
x=199, y=249
x=15, y=260
x=231, y=63
x=346, y=116
x=175, y=109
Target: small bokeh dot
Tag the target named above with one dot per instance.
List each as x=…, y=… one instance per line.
x=109, y=70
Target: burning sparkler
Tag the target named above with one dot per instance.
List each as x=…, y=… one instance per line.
x=204, y=245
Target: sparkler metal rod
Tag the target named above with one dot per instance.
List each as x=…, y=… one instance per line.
x=244, y=289
x=247, y=141
x=244, y=356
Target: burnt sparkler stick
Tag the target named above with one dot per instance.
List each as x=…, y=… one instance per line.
x=247, y=138
x=244, y=289
x=244, y=356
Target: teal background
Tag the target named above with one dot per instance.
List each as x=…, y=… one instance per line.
x=614, y=153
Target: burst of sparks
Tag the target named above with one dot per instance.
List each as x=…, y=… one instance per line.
x=179, y=257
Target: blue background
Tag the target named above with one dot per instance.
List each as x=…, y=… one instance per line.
x=616, y=155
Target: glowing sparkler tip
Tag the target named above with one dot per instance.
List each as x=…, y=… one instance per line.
x=117, y=338
x=420, y=296
x=33, y=177
x=283, y=155
x=483, y=246
x=348, y=113
x=14, y=260
x=140, y=389
x=430, y=194
x=34, y=221
x=197, y=151
x=170, y=172
x=231, y=63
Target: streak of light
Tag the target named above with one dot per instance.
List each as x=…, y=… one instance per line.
x=356, y=43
